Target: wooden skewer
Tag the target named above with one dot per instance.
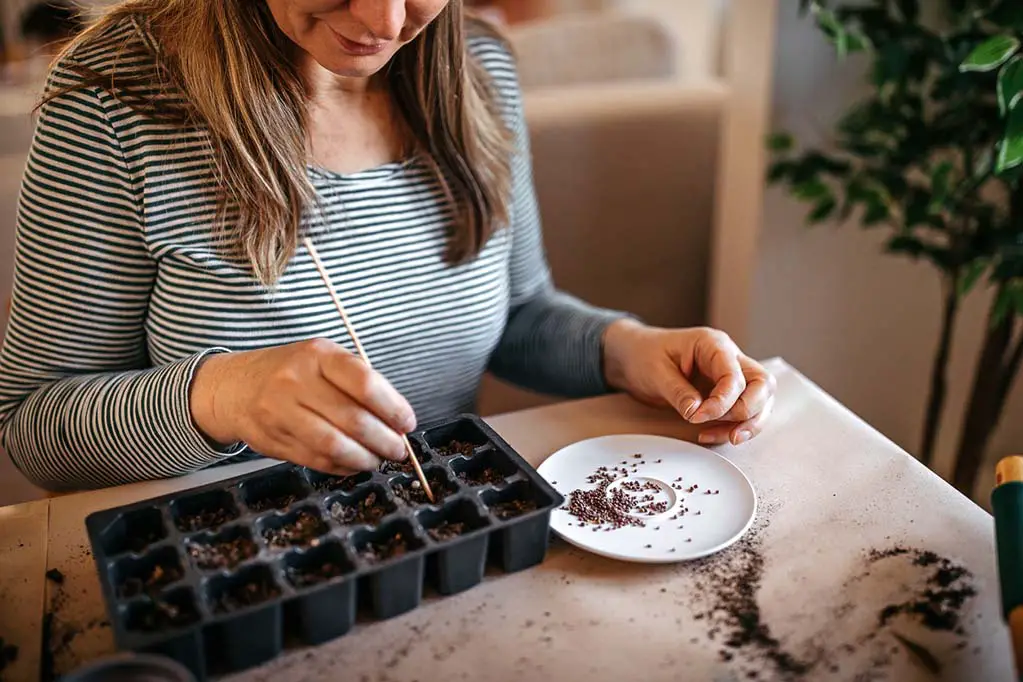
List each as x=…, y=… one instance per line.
x=362, y=351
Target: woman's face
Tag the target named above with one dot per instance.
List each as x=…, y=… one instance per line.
x=353, y=38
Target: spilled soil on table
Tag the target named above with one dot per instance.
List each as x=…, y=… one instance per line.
x=935, y=597
x=59, y=631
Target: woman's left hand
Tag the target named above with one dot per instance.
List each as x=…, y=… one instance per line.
x=670, y=367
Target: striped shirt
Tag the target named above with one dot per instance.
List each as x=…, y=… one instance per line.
x=120, y=292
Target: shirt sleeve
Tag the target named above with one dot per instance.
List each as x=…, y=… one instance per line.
x=553, y=342
x=80, y=405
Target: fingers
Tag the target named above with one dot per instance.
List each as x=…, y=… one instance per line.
x=760, y=386
x=742, y=432
x=680, y=394
x=312, y=438
x=351, y=419
x=717, y=358
x=369, y=388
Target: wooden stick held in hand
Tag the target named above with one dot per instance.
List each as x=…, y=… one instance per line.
x=362, y=351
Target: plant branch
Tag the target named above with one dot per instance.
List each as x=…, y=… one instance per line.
x=939, y=370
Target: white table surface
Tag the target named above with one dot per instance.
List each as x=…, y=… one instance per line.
x=831, y=490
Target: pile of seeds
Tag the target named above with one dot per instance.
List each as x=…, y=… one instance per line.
x=619, y=508
x=601, y=509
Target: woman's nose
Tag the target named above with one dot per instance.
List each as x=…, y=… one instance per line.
x=383, y=18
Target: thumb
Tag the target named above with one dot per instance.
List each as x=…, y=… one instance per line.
x=681, y=394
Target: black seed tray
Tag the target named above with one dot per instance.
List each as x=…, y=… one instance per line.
x=217, y=576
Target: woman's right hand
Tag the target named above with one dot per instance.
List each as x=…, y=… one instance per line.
x=312, y=403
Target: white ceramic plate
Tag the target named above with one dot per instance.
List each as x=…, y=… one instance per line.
x=711, y=523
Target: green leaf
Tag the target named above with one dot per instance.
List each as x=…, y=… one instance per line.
x=811, y=190
x=827, y=20
x=1010, y=84
x=1010, y=299
x=991, y=54
x=822, y=211
x=877, y=212
x=1010, y=150
x=780, y=142
x=970, y=276
x=778, y=171
x=939, y=185
x=907, y=244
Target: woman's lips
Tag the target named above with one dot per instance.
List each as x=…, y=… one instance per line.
x=357, y=49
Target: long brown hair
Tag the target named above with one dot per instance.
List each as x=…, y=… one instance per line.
x=225, y=67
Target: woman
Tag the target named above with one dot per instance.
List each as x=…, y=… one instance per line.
x=164, y=315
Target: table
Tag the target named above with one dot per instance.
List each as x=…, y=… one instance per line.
x=799, y=590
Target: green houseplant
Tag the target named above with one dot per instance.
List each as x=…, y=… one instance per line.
x=934, y=155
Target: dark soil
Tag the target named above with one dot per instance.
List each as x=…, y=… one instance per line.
x=413, y=494
x=486, y=476
x=369, y=510
x=8, y=654
x=729, y=585
x=345, y=483
x=314, y=575
x=393, y=546
x=939, y=606
x=159, y=577
x=227, y=554
x=457, y=447
x=139, y=541
x=249, y=593
x=447, y=530
x=406, y=467
x=206, y=518
x=512, y=508
x=162, y=615
x=263, y=504
x=301, y=532
x=59, y=631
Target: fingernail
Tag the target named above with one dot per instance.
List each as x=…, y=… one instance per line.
x=689, y=408
x=743, y=436
x=706, y=438
x=408, y=424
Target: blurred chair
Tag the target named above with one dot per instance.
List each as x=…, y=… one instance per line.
x=624, y=106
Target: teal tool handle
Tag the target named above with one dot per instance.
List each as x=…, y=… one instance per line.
x=1007, y=505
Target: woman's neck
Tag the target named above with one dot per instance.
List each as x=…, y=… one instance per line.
x=321, y=83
